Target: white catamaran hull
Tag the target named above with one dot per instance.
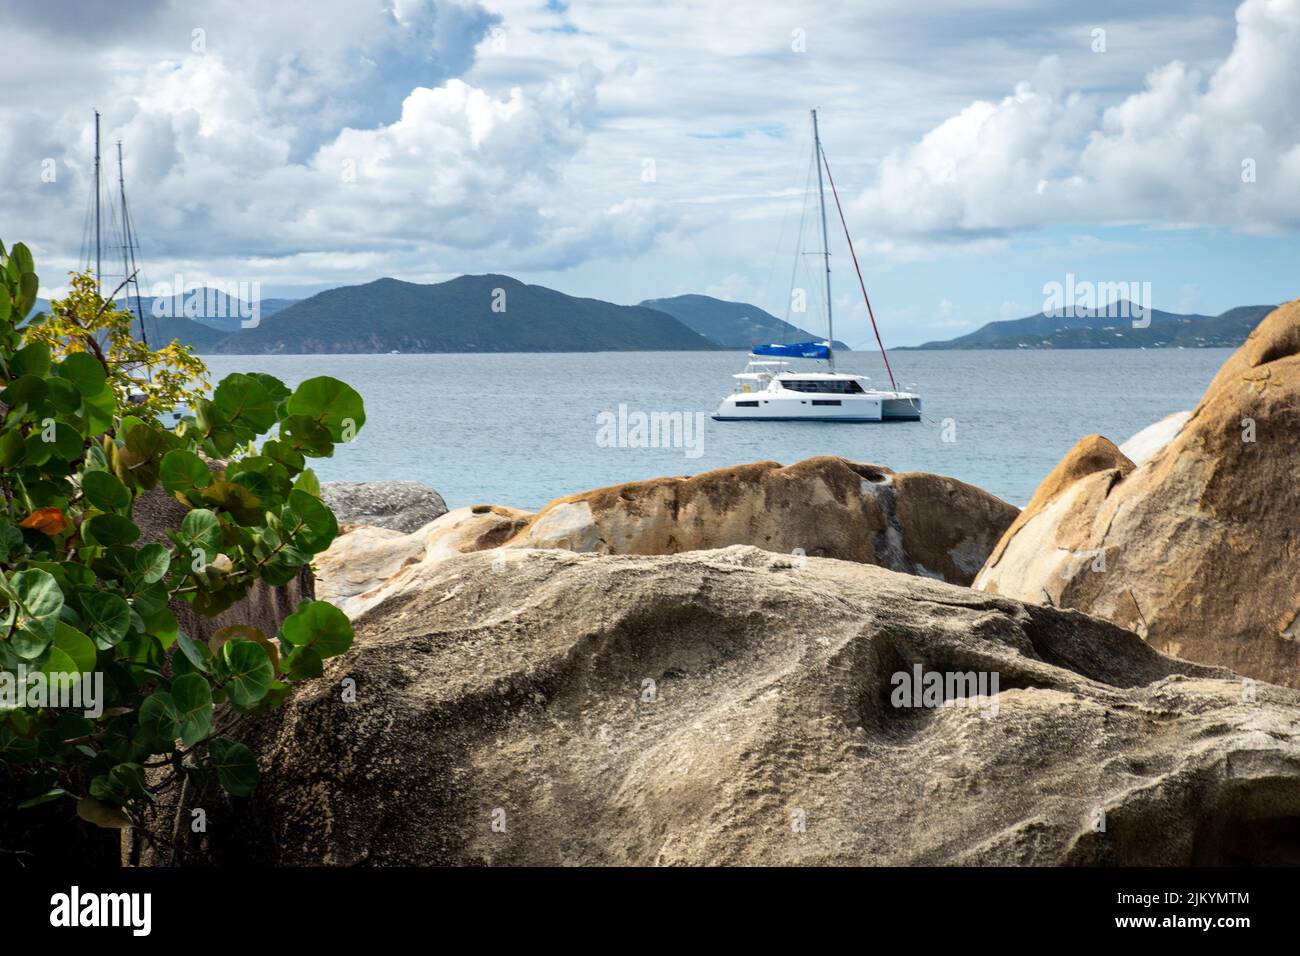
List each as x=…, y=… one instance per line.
x=797, y=407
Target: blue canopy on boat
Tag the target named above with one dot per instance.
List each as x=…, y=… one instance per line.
x=812, y=350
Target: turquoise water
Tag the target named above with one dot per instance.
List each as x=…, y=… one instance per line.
x=519, y=429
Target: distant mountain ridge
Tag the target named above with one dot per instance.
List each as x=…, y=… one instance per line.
x=497, y=313
x=483, y=313
x=733, y=325
x=1112, y=327
x=210, y=307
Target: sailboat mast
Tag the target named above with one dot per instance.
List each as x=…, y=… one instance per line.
x=126, y=236
x=99, y=283
x=128, y=249
x=826, y=247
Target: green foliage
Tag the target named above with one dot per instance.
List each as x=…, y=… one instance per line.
x=95, y=338
x=84, y=600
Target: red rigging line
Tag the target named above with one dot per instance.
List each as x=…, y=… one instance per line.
x=861, y=283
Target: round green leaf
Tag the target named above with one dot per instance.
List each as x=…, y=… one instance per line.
x=25, y=390
x=119, y=785
x=235, y=766
x=39, y=601
x=152, y=562
x=241, y=503
x=68, y=442
x=201, y=531
x=12, y=447
x=72, y=653
x=305, y=436
x=192, y=696
x=308, y=482
x=248, y=670
x=84, y=371
x=110, y=529
x=303, y=664
x=244, y=403
x=314, y=526
x=63, y=395
x=102, y=814
x=195, y=653
x=332, y=403
x=32, y=359
x=107, y=616
x=183, y=471
x=104, y=491
x=159, y=720
x=320, y=626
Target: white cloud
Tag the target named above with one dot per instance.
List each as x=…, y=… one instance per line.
x=1172, y=153
x=526, y=155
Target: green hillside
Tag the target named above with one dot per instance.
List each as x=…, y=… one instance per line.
x=487, y=313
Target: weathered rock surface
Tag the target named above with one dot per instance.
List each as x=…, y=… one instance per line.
x=733, y=707
x=822, y=507
x=367, y=565
x=1197, y=547
x=398, y=505
x=1152, y=439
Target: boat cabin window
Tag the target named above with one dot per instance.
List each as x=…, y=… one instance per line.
x=841, y=386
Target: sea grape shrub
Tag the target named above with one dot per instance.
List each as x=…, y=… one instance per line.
x=85, y=604
x=153, y=381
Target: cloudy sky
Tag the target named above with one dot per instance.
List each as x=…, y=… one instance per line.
x=630, y=150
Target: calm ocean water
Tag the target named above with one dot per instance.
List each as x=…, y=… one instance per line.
x=519, y=429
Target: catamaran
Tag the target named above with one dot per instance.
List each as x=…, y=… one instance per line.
x=769, y=389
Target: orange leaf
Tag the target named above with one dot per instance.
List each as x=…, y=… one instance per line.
x=47, y=520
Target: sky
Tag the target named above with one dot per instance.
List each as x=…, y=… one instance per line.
x=633, y=150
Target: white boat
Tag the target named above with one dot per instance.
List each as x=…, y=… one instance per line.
x=765, y=395
x=770, y=390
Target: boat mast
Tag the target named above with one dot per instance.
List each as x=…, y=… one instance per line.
x=128, y=250
x=99, y=282
x=826, y=247
x=126, y=237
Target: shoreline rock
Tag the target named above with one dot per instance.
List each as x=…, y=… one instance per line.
x=397, y=505
x=821, y=507
x=1195, y=545
x=735, y=707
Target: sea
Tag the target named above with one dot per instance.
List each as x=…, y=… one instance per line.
x=521, y=429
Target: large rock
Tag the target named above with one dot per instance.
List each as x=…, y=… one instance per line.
x=822, y=507
x=397, y=505
x=1197, y=545
x=367, y=565
x=735, y=707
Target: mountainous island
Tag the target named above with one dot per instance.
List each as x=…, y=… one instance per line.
x=1111, y=328
x=496, y=313
x=486, y=313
